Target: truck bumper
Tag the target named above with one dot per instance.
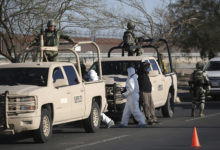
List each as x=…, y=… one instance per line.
x=215, y=91
x=17, y=125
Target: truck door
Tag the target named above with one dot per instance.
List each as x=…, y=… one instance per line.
x=62, y=104
x=157, y=84
x=76, y=92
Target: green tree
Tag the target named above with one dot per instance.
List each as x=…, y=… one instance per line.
x=196, y=25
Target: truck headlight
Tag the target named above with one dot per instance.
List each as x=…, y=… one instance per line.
x=27, y=99
x=27, y=107
x=22, y=104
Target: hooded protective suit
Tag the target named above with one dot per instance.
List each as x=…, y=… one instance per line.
x=94, y=77
x=132, y=95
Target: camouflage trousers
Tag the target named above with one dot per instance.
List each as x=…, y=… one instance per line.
x=50, y=56
x=132, y=52
x=199, y=95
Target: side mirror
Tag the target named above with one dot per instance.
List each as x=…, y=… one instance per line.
x=153, y=73
x=60, y=83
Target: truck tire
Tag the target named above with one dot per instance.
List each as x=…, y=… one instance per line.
x=92, y=123
x=168, y=108
x=44, y=133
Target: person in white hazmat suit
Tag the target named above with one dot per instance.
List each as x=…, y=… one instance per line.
x=109, y=122
x=132, y=104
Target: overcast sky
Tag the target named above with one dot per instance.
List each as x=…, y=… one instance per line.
x=149, y=4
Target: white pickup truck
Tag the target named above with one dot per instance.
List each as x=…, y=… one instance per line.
x=164, y=83
x=36, y=96
x=212, y=69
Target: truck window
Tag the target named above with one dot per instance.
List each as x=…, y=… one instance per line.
x=149, y=69
x=24, y=76
x=116, y=67
x=57, y=74
x=154, y=65
x=213, y=66
x=71, y=75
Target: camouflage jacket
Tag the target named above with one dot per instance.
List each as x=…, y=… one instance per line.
x=129, y=38
x=51, y=38
x=194, y=79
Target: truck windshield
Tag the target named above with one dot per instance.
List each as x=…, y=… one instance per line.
x=23, y=76
x=213, y=66
x=116, y=67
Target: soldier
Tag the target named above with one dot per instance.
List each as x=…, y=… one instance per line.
x=199, y=86
x=130, y=40
x=51, y=37
x=162, y=64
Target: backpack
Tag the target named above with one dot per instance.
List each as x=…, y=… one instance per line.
x=198, y=78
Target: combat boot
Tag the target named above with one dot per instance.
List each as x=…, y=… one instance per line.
x=202, y=107
x=193, y=109
x=193, y=113
x=202, y=113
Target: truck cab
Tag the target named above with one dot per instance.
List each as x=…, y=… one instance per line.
x=212, y=69
x=164, y=83
x=35, y=96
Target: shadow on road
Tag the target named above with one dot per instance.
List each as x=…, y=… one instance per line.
x=26, y=137
x=16, y=139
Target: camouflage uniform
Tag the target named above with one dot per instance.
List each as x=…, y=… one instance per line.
x=199, y=86
x=51, y=38
x=130, y=40
x=162, y=64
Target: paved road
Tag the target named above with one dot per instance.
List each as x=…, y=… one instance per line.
x=172, y=134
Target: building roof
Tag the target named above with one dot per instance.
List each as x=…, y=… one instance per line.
x=130, y=58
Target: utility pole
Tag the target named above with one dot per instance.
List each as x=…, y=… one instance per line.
x=93, y=35
x=1, y=40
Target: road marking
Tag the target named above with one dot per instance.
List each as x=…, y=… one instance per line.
x=207, y=116
x=98, y=142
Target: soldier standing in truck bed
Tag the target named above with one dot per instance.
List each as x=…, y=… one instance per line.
x=130, y=41
x=51, y=37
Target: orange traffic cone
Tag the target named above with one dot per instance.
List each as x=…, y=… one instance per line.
x=195, y=139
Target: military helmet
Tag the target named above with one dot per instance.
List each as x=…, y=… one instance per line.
x=199, y=65
x=51, y=23
x=131, y=25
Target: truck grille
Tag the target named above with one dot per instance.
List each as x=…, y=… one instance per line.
x=215, y=82
x=2, y=110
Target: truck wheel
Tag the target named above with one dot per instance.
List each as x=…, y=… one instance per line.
x=168, y=108
x=92, y=123
x=44, y=133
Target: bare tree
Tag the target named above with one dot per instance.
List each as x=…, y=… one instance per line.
x=18, y=19
x=147, y=24
x=158, y=24
x=21, y=18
